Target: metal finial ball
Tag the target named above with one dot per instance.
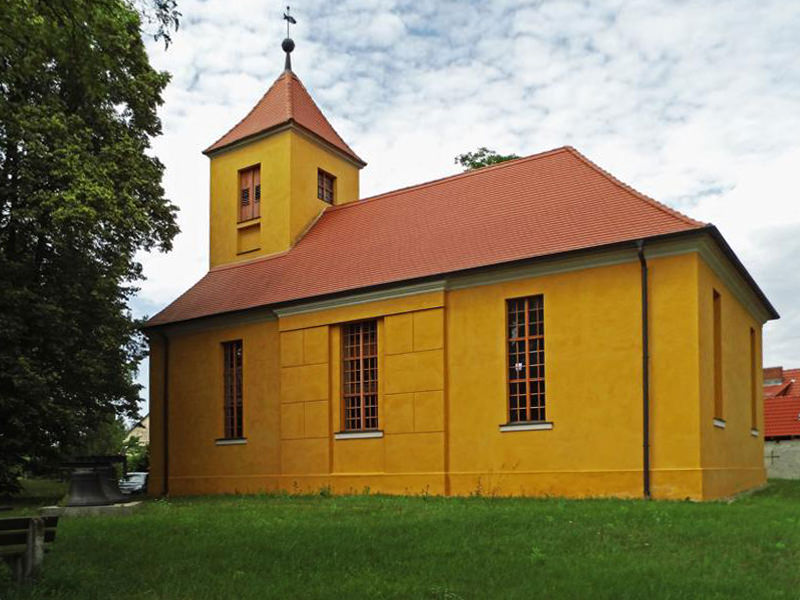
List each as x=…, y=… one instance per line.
x=287, y=45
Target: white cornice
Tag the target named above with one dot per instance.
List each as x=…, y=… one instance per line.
x=713, y=256
x=247, y=317
x=502, y=273
x=702, y=244
x=362, y=298
x=290, y=125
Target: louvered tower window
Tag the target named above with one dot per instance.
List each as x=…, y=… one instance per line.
x=525, y=338
x=325, y=186
x=250, y=193
x=360, y=376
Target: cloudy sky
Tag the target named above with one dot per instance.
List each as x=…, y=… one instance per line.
x=695, y=103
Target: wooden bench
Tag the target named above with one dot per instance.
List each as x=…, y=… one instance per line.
x=23, y=541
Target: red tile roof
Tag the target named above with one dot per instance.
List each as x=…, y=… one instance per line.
x=548, y=203
x=286, y=100
x=782, y=402
x=782, y=416
x=789, y=381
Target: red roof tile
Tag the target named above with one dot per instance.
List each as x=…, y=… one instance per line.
x=286, y=100
x=788, y=385
x=782, y=416
x=781, y=402
x=543, y=204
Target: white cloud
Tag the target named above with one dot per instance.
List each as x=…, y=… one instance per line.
x=694, y=103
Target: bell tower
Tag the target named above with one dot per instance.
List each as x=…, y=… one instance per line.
x=276, y=171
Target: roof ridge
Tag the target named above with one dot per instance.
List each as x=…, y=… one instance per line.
x=250, y=112
x=783, y=387
x=655, y=203
x=290, y=95
x=464, y=174
x=324, y=118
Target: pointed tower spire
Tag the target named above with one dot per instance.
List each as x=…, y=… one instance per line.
x=288, y=43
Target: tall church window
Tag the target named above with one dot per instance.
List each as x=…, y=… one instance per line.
x=754, y=387
x=250, y=193
x=525, y=339
x=717, y=326
x=233, y=406
x=360, y=375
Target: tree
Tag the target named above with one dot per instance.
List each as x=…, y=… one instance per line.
x=138, y=454
x=482, y=157
x=79, y=196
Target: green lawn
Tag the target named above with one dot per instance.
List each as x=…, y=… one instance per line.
x=389, y=547
x=35, y=493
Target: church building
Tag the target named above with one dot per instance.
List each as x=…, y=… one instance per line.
x=536, y=327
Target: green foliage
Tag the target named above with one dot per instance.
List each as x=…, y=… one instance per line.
x=482, y=157
x=106, y=437
x=80, y=195
x=282, y=546
x=138, y=454
x=160, y=17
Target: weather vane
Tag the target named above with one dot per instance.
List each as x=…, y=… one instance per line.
x=289, y=20
x=288, y=43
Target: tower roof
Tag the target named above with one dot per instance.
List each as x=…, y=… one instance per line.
x=286, y=102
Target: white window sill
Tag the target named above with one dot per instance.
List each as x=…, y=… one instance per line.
x=357, y=435
x=538, y=426
x=720, y=423
x=230, y=441
x=754, y=432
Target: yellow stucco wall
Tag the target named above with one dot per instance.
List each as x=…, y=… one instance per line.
x=197, y=464
x=442, y=394
x=289, y=203
x=732, y=458
x=594, y=399
x=272, y=229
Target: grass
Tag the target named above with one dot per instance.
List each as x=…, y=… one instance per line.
x=35, y=493
x=394, y=547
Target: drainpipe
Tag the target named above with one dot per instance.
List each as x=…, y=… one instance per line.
x=165, y=411
x=645, y=376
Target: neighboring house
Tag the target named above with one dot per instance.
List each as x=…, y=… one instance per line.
x=141, y=430
x=486, y=333
x=782, y=422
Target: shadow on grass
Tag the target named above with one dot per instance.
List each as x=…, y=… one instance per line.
x=35, y=494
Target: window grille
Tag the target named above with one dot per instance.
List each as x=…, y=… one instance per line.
x=717, y=325
x=232, y=353
x=325, y=182
x=249, y=193
x=360, y=375
x=526, y=381
x=754, y=390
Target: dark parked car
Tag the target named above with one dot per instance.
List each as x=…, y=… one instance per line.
x=133, y=483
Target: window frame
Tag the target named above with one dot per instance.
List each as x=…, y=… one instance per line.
x=253, y=189
x=324, y=177
x=365, y=362
x=541, y=395
x=233, y=390
x=754, y=390
x=716, y=316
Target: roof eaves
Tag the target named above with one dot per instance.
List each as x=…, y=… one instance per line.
x=389, y=284
x=741, y=269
